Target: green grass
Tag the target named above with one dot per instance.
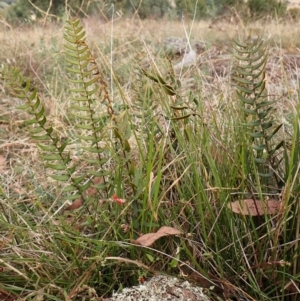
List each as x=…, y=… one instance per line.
x=178, y=160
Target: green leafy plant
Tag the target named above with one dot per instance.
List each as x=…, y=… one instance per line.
x=264, y=162
x=81, y=162
x=257, y=116
x=90, y=120
x=176, y=168
x=262, y=8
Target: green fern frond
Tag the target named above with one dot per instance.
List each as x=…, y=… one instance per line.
x=91, y=105
x=261, y=128
x=54, y=152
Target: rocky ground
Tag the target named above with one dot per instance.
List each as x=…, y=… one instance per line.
x=158, y=288
x=162, y=288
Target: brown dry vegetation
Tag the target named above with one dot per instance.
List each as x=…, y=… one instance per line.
x=38, y=52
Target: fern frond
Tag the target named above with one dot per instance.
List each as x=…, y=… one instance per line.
x=261, y=128
x=91, y=105
x=54, y=152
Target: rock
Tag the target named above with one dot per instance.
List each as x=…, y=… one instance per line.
x=189, y=59
x=162, y=288
x=179, y=46
x=3, y=4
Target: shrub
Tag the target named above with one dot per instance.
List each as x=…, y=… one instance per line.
x=191, y=8
x=294, y=13
x=264, y=8
x=23, y=10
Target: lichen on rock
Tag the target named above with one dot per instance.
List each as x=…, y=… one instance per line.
x=164, y=288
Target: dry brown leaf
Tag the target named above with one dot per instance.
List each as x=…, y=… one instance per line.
x=7, y=296
x=254, y=207
x=168, y=231
x=292, y=287
x=75, y=205
x=92, y=190
x=2, y=163
x=148, y=239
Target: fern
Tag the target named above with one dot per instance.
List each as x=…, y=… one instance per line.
x=257, y=109
x=91, y=105
x=54, y=151
x=144, y=108
x=91, y=108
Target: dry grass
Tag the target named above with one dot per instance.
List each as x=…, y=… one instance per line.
x=38, y=52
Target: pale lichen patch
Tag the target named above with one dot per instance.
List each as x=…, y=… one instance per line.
x=162, y=288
